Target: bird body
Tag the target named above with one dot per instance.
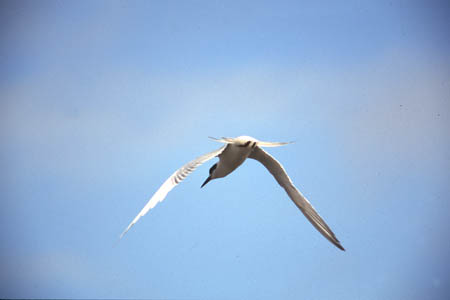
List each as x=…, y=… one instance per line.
x=231, y=156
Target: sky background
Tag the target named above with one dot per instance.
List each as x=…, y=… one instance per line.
x=101, y=101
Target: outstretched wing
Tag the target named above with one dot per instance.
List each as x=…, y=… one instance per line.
x=272, y=144
x=171, y=182
x=277, y=170
x=228, y=140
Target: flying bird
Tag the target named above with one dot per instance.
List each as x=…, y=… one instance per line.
x=231, y=156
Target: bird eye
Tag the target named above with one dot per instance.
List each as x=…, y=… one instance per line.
x=212, y=169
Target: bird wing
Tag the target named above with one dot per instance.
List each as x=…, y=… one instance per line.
x=277, y=170
x=225, y=140
x=173, y=181
x=272, y=144
x=228, y=140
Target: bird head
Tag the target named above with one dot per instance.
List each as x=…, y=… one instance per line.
x=211, y=172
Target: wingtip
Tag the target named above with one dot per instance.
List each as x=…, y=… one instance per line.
x=125, y=231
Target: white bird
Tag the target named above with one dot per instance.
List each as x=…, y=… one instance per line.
x=231, y=156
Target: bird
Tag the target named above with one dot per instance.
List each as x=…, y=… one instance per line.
x=231, y=155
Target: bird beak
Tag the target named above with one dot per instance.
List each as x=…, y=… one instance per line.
x=206, y=181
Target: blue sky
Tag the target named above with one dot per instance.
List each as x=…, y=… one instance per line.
x=101, y=101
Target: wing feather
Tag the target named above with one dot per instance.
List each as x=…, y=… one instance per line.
x=277, y=170
x=178, y=176
x=272, y=144
x=228, y=140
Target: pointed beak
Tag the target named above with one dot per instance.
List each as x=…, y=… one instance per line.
x=206, y=181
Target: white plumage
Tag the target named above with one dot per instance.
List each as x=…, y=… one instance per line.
x=232, y=155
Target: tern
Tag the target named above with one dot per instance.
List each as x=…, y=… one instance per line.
x=231, y=156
